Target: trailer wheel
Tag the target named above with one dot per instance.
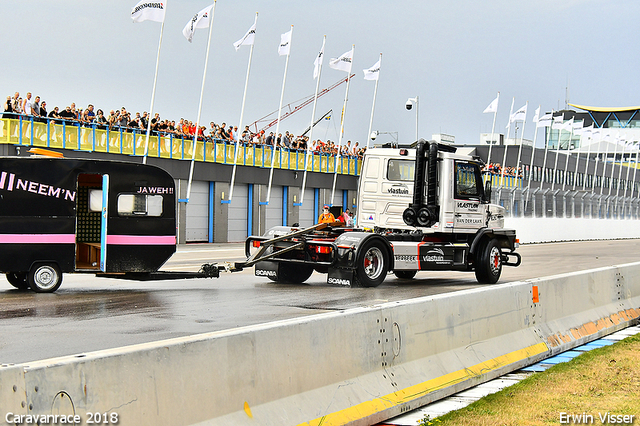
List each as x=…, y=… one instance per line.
x=371, y=264
x=18, y=280
x=405, y=275
x=294, y=273
x=489, y=263
x=45, y=277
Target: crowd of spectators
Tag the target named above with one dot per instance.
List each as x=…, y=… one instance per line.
x=121, y=119
x=495, y=169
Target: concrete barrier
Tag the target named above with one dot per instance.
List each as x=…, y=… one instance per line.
x=542, y=230
x=358, y=366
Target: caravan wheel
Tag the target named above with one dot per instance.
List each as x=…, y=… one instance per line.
x=18, y=280
x=45, y=277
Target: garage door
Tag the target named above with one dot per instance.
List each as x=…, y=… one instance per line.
x=307, y=215
x=274, y=208
x=198, y=212
x=238, y=210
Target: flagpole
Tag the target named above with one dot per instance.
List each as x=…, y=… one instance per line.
x=555, y=165
x=153, y=91
x=575, y=171
x=493, y=128
x=566, y=165
x=204, y=75
x=586, y=166
x=546, y=152
x=506, y=143
x=373, y=107
x=533, y=150
x=275, y=140
x=313, y=117
x=635, y=170
x=240, y=128
x=344, y=113
x=619, y=172
x=604, y=163
x=615, y=152
x=524, y=122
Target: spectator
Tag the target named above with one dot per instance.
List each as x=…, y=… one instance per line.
x=15, y=103
x=326, y=216
x=67, y=115
x=43, y=111
x=55, y=115
x=100, y=120
x=8, y=108
x=27, y=105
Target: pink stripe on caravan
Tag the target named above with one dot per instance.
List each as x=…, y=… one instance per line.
x=37, y=238
x=3, y=176
x=141, y=240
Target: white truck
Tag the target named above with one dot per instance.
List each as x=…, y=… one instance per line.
x=419, y=209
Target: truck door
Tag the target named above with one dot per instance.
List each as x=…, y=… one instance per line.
x=468, y=211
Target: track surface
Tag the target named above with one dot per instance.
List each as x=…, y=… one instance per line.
x=89, y=313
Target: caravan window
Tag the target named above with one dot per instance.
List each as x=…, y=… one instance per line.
x=400, y=170
x=139, y=205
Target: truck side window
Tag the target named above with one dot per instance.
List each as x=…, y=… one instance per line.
x=400, y=170
x=466, y=181
x=139, y=205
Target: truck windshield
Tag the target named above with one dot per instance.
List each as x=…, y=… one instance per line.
x=400, y=170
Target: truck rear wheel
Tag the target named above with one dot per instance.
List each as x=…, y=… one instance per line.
x=371, y=264
x=44, y=277
x=405, y=275
x=489, y=263
x=18, y=280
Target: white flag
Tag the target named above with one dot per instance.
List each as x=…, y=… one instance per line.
x=567, y=126
x=248, y=38
x=536, y=116
x=318, y=62
x=285, y=43
x=199, y=20
x=148, y=11
x=493, y=106
x=519, y=115
x=372, y=73
x=545, y=120
x=343, y=63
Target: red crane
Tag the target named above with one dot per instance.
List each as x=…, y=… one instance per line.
x=304, y=102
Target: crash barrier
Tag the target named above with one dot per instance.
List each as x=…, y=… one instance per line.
x=550, y=229
x=24, y=131
x=358, y=366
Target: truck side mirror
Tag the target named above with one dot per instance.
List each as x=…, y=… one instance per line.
x=487, y=191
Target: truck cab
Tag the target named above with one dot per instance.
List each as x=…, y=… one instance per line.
x=460, y=202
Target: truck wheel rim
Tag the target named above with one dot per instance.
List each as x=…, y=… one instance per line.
x=373, y=262
x=46, y=277
x=495, y=260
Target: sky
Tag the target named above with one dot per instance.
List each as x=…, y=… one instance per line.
x=455, y=56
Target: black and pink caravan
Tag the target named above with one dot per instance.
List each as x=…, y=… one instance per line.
x=58, y=215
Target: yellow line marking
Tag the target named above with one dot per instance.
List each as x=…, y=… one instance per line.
x=403, y=396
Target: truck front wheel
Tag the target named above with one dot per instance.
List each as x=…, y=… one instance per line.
x=489, y=263
x=371, y=264
x=44, y=277
x=405, y=275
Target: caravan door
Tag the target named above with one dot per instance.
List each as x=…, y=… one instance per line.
x=103, y=223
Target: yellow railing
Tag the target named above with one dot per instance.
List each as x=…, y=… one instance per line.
x=24, y=131
x=503, y=181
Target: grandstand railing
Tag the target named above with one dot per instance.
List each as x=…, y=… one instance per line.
x=62, y=134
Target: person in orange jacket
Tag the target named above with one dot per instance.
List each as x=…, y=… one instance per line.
x=326, y=216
